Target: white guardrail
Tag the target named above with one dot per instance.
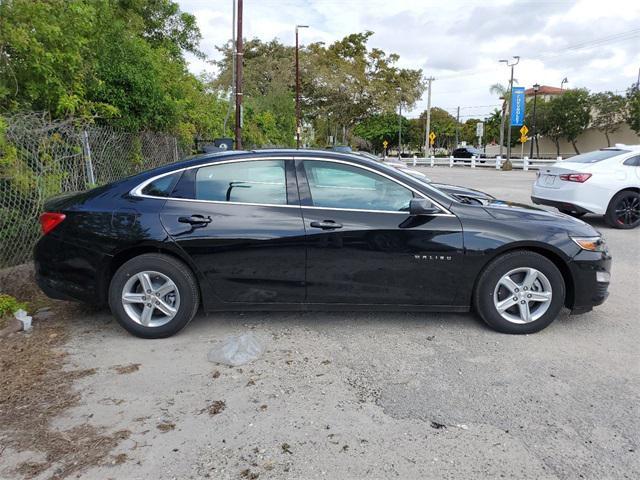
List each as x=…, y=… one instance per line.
x=473, y=162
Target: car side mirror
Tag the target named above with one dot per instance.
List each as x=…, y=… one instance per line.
x=422, y=206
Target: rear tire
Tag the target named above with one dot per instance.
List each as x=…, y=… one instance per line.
x=519, y=292
x=624, y=210
x=154, y=295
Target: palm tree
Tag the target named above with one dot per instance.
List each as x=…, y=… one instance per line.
x=504, y=93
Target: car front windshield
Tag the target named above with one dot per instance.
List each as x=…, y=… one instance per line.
x=596, y=156
x=424, y=181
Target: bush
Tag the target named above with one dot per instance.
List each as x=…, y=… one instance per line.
x=9, y=305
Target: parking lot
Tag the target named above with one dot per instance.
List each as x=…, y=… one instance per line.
x=375, y=395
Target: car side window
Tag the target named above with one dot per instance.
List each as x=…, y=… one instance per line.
x=258, y=181
x=161, y=187
x=633, y=161
x=337, y=185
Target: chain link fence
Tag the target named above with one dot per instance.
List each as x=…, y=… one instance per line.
x=40, y=158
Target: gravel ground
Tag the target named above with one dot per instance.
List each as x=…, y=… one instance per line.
x=376, y=395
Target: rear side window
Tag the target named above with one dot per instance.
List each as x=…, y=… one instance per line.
x=259, y=181
x=633, y=161
x=597, y=156
x=161, y=187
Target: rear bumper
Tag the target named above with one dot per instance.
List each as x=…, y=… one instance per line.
x=560, y=205
x=65, y=271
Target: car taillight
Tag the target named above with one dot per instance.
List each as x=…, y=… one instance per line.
x=575, y=177
x=50, y=220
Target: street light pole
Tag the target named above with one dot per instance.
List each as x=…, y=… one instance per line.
x=513, y=64
x=298, y=126
x=536, y=87
x=427, y=141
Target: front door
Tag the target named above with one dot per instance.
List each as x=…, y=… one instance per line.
x=240, y=222
x=365, y=248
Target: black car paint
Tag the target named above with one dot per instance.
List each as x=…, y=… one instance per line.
x=264, y=257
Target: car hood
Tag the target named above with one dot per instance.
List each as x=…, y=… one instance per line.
x=467, y=192
x=512, y=212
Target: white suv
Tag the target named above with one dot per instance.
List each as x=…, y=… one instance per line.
x=605, y=182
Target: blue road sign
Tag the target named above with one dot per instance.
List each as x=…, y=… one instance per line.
x=517, y=106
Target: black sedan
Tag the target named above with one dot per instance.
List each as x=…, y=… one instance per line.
x=467, y=153
x=304, y=230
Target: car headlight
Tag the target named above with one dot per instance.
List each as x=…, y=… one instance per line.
x=592, y=244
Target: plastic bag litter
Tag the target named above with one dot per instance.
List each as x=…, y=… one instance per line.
x=237, y=350
x=24, y=318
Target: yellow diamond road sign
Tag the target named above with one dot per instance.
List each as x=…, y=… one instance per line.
x=385, y=143
x=524, y=130
x=432, y=136
x=523, y=139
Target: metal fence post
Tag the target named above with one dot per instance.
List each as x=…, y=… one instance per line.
x=432, y=161
x=525, y=163
x=415, y=160
x=91, y=179
x=473, y=161
x=498, y=162
x=451, y=161
x=175, y=149
x=559, y=158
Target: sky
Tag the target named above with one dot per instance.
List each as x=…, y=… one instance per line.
x=595, y=44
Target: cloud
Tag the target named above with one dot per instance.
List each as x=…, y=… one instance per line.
x=458, y=42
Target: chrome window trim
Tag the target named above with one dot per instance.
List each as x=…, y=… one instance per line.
x=137, y=191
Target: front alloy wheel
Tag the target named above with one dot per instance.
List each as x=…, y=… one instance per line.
x=519, y=292
x=522, y=295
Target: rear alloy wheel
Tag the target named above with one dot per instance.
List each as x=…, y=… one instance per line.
x=154, y=295
x=624, y=210
x=519, y=292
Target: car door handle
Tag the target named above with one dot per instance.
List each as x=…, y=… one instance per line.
x=196, y=220
x=326, y=225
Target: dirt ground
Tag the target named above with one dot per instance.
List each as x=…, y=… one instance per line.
x=335, y=395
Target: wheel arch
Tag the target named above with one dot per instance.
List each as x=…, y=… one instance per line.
x=124, y=255
x=550, y=253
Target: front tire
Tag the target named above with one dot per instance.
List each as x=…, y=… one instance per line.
x=624, y=210
x=519, y=292
x=154, y=295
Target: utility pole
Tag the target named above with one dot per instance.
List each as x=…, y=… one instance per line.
x=513, y=64
x=399, y=121
x=457, y=124
x=427, y=142
x=534, y=138
x=232, y=98
x=239, y=55
x=298, y=123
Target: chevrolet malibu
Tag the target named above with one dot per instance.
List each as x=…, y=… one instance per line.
x=311, y=230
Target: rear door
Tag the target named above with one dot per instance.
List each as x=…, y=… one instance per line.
x=240, y=222
x=365, y=248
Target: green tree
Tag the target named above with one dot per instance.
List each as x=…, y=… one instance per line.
x=380, y=127
x=607, y=112
x=346, y=82
x=443, y=124
x=632, y=111
x=121, y=61
x=572, y=113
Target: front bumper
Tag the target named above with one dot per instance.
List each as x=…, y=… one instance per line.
x=591, y=274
